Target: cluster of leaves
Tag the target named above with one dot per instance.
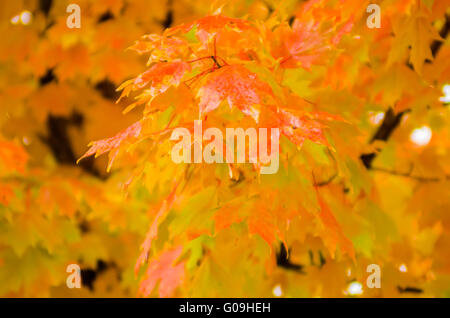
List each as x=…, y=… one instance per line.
x=349, y=192
x=56, y=85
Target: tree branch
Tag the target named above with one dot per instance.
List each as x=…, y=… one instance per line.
x=436, y=45
x=390, y=122
x=283, y=260
x=409, y=175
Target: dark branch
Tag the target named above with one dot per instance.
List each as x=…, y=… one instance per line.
x=45, y=6
x=167, y=22
x=106, y=16
x=284, y=262
x=215, y=61
x=47, y=78
x=390, y=122
x=436, y=45
x=325, y=182
x=168, y=19
x=407, y=289
x=107, y=89
x=332, y=177
x=89, y=275
x=58, y=141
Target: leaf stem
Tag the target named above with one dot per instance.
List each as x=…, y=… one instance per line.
x=199, y=59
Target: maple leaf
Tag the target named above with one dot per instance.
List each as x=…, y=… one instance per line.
x=153, y=231
x=161, y=76
x=334, y=231
x=226, y=216
x=164, y=271
x=305, y=44
x=12, y=156
x=99, y=147
x=239, y=86
x=209, y=26
x=298, y=125
x=76, y=60
x=53, y=196
x=161, y=48
x=417, y=33
x=298, y=128
x=6, y=193
x=262, y=222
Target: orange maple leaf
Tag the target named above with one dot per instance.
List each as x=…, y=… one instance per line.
x=300, y=127
x=160, y=47
x=333, y=229
x=153, y=231
x=13, y=156
x=99, y=147
x=162, y=76
x=306, y=43
x=226, y=216
x=239, y=86
x=208, y=26
x=163, y=270
x=262, y=222
x=6, y=193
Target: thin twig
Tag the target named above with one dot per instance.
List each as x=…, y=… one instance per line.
x=215, y=49
x=215, y=61
x=223, y=60
x=409, y=175
x=331, y=178
x=200, y=74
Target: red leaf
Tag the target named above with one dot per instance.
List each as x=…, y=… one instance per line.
x=262, y=222
x=299, y=128
x=239, y=86
x=99, y=147
x=227, y=216
x=334, y=230
x=211, y=25
x=303, y=46
x=162, y=76
x=307, y=43
x=153, y=231
x=163, y=270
